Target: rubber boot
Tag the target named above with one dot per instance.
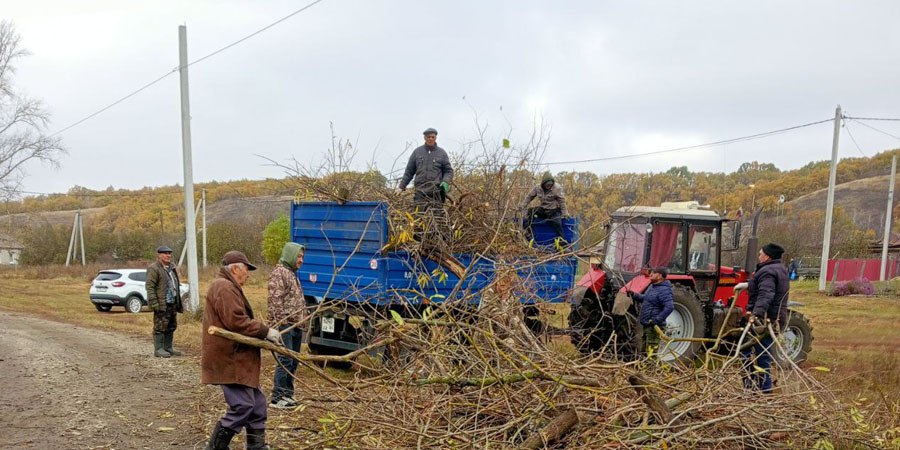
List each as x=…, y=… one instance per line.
x=168, y=344
x=256, y=439
x=220, y=438
x=158, y=346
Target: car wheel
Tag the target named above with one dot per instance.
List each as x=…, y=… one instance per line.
x=103, y=308
x=133, y=304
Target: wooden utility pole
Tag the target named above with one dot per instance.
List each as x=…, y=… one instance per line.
x=886, y=235
x=829, y=206
x=190, y=232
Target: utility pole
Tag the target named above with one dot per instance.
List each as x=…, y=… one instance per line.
x=77, y=235
x=190, y=231
x=829, y=206
x=203, y=224
x=184, y=247
x=81, y=235
x=887, y=219
x=71, y=249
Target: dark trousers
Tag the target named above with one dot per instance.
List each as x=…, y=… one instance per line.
x=246, y=408
x=552, y=216
x=164, y=321
x=759, y=355
x=283, y=386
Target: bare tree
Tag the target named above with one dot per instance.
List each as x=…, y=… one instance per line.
x=23, y=120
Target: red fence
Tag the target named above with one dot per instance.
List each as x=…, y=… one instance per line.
x=849, y=269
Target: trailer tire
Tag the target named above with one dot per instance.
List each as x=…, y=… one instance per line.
x=796, y=339
x=686, y=321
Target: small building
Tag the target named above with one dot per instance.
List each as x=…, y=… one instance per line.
x=10, y=250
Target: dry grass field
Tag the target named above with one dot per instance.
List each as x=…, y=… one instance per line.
x=855, y=351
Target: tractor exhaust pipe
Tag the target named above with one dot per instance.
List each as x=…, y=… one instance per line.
x=752, y=244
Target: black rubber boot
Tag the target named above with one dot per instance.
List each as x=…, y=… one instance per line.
x=159, y=350
x=220, y=438
x=168, y=344
x=256, y=439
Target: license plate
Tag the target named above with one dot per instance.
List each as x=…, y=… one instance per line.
x=101, y=288
x=328, y=324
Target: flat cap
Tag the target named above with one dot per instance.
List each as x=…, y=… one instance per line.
x=429, y=131
x=163, y=249
x=234, y=257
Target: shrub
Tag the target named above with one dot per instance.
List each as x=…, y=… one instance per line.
x=857, y=286
x=276, y=234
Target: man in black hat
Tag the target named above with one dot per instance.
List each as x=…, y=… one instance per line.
x=430, y=166
x=657, y=302
x=164, y=297
x=768, y=290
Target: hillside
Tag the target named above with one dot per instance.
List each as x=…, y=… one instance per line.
x=864, y=200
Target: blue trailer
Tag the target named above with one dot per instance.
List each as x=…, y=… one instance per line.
x=347, y=265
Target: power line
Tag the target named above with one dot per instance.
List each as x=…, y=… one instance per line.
x=876, y=129
x=847, y=127
x=873, y=118
x=135, y=92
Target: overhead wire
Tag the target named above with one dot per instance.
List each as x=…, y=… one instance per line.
x=177, y=68
x=847, y=127
x=874, y=129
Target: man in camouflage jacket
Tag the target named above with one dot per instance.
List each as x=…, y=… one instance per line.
x=287, y=312
x=164, y=298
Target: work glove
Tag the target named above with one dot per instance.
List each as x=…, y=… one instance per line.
x=274, y=336
x=629, y=293
x=400, y=188
x=757, y=325
x=445, y=186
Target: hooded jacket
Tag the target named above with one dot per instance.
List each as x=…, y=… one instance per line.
x=768, y=290
x=658, y=302
x=223, y=361
x=550, y=199
x=285, y=301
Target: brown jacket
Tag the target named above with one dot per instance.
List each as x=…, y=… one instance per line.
x=156, y=284
x=224, y=361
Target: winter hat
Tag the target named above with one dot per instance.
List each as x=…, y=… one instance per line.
x=773, y=250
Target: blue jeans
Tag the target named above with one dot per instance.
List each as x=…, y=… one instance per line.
x=761, y=356
x=285, y=367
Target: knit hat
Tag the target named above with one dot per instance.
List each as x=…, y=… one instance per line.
x=773, y=250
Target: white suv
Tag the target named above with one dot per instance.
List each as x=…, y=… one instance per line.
x=122, y=287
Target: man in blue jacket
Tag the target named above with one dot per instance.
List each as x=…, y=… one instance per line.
x=768, y=291
x=658, y=301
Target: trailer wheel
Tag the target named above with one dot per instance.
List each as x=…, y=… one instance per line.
x=686, y=321
x=796, y=340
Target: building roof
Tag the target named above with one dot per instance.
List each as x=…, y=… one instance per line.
x=893, y=243
x=678, y=210
x=6, y=241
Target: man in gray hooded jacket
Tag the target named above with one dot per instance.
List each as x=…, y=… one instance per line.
x=430, y=166
x=552, y=207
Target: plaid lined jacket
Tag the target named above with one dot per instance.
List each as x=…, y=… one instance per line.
x=286, y=305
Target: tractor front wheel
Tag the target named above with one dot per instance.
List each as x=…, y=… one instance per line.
x=686, y=322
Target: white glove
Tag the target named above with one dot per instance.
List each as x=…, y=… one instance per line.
x=740, y=287
x=274, y=336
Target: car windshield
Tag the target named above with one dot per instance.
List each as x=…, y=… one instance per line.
x=108, y=276
x=625, y=247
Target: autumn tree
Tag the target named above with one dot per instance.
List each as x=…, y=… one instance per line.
x=23, y=120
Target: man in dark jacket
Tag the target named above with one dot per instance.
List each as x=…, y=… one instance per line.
x=164, y=298
x=657, y=302
x=430, y=166
x=552, y=207
x=233, y=366
x=768, y=291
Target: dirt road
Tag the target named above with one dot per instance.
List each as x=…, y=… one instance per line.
x=69, y=387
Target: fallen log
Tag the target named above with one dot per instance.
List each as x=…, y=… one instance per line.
x=653, y=401
x=555, y=430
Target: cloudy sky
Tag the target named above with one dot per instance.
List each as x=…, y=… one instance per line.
x=609, y=78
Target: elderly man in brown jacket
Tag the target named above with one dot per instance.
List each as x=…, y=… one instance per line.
x=229, y=364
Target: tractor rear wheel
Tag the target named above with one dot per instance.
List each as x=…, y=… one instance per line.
x=686, y=321
x=796, y=340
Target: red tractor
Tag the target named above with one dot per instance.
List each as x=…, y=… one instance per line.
x=689, y=241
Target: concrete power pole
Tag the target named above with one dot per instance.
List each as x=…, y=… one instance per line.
x=829, y=206
x=71, y=251
x=887, y=219
x=184, y=248
x=81, y=236
x=203, y=224
x=190, y=228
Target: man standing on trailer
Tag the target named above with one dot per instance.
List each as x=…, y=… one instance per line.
x=768, y=303
x=430, y=166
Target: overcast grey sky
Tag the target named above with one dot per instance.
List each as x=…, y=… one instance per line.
x=610, y=78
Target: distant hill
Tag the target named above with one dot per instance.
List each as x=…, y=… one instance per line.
x=864, y=200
